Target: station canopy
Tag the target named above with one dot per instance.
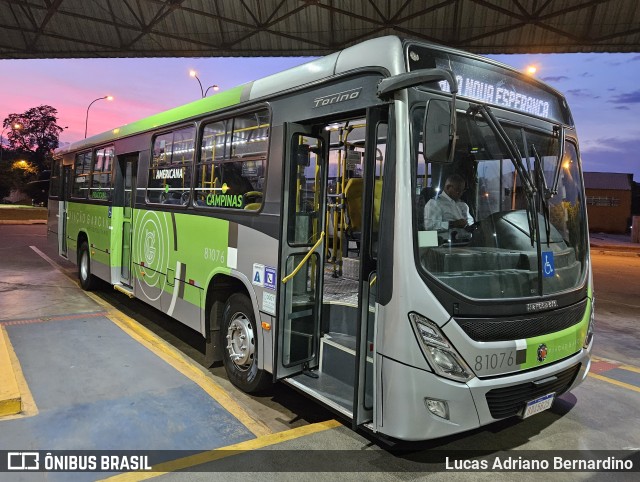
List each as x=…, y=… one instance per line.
x=255, y=28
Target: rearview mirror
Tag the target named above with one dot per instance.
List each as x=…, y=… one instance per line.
x=438, y=134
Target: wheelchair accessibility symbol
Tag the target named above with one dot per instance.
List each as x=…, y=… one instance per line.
x=548, y=267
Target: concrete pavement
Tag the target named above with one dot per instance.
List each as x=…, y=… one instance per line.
x=97, y=380
x=90, y=378
x=613, y=244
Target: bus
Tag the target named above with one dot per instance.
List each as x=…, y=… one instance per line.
x=285, y=221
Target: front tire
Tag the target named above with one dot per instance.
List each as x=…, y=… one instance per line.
x=240, y=345
x=87, y=280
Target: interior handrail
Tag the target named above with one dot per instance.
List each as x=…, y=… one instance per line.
x=304, y=260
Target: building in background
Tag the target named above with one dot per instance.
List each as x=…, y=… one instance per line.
x=609, y=199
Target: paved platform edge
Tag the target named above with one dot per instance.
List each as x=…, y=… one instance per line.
x=10, y=398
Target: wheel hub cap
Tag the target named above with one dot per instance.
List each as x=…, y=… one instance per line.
x=240, y=341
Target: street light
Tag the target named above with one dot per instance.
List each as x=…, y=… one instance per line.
x=86, y=122
x=204, y=93
x=15, y=127
x=214, y=87
x=24, y=166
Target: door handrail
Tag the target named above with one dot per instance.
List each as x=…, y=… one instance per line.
x=304, y=260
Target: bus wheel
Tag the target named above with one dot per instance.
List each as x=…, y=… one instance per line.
x=87, y=280
x=240, y=345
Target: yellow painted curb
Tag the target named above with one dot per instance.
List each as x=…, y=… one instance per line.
x=228, y=451
x=10, y=400
x=614, y=382
x=29, y=408
x=183, y=364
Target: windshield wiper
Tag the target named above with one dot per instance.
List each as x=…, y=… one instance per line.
x=516, y=159
x=508, y=144
x=545, y=192
x=556, y=177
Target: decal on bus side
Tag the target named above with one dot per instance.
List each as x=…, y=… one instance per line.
x=343, y=96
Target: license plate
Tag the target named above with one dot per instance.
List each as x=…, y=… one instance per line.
x=538, y=405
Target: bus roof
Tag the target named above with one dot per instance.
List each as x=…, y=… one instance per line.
x=383, y=52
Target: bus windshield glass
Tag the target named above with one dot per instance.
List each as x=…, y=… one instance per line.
x=490, y=224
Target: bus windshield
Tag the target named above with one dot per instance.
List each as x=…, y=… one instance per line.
x=505, y=219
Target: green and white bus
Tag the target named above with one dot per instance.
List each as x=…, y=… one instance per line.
x=284, y=220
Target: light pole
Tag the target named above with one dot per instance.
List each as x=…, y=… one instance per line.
x=13, y=127
x=86, y=122
x=203, y=92
x=214, y=87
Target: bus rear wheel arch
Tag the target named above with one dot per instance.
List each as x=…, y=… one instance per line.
x=240, y=347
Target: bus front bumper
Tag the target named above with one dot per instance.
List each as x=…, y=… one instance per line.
x=402, y=405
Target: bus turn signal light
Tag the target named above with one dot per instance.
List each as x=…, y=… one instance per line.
x=266, y=326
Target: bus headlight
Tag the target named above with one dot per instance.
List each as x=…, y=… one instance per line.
x=440, y=354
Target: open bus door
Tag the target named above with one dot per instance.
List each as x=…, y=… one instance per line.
x=374, y=161
x=326, y=315
x=302, y=251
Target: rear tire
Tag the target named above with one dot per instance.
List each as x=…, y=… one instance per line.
x=238, y=336
x=87, y=280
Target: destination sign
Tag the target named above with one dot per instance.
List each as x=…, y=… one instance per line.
x=492, y=84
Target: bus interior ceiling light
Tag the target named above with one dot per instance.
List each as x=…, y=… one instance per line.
x=440, y=354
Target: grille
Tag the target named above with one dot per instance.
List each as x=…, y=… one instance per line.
x=509, y=401
x=482, y=329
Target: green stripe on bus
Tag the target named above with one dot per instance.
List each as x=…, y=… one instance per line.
x=558, y=345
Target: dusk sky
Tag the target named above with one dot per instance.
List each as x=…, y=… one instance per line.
x=603, y=91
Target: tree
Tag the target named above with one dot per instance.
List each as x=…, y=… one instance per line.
x=38, y=133
x=7, y=180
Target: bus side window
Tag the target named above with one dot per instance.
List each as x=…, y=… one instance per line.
x=100, y=188
x=232, y=164
x=81, y=176
x=170, y=169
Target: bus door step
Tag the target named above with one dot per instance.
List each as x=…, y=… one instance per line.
x=338, y=358
x=124, y=289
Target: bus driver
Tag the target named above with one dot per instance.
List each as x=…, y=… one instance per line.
x=446, y=211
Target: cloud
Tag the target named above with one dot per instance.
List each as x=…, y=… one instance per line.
x=557, y=78
x=606, y=144
x=627, y=98
x=619, y=154
x=582, y=93
x=622, y=107
x=586, y=74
